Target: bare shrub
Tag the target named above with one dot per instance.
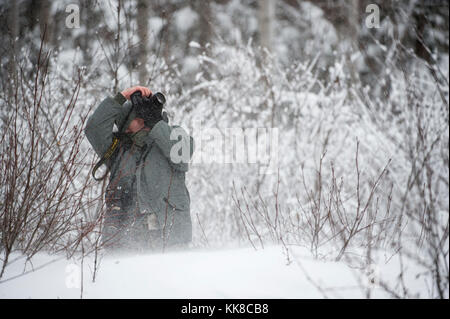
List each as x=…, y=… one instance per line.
x=43, y=185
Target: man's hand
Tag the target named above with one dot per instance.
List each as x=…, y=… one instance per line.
x=147, y=110
x=127, y=92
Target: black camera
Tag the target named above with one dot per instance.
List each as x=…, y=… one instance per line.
x=148, y=108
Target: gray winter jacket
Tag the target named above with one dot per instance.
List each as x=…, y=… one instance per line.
x=159, y=177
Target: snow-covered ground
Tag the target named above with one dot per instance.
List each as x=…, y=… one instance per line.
x=231, y=273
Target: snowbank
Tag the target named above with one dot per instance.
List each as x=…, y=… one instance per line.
x=232, y=273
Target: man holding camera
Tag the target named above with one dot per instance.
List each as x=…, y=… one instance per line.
x=148, y=204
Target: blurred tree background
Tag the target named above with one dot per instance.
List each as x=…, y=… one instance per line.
x=292, y=30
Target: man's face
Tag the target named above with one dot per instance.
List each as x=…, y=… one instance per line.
x=136, y=125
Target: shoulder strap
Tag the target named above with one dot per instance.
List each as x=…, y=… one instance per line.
x=105, y=157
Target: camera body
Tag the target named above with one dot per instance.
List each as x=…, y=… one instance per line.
x=148, y=108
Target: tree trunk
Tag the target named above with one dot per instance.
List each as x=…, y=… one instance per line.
x=266, y=17
x=14, y=32
x=354, y=15
x=142, y=25
x=44, y=18
x=419, y=47
x=353, y=21
x=204, y=10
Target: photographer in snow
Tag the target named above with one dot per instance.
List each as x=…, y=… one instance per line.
x=148, y=204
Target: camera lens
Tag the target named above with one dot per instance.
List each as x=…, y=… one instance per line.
x=159, y=99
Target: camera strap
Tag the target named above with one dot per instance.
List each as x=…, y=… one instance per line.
x=112, y=148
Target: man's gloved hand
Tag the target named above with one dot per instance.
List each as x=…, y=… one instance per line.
x=149, y=111
x=144, y=91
